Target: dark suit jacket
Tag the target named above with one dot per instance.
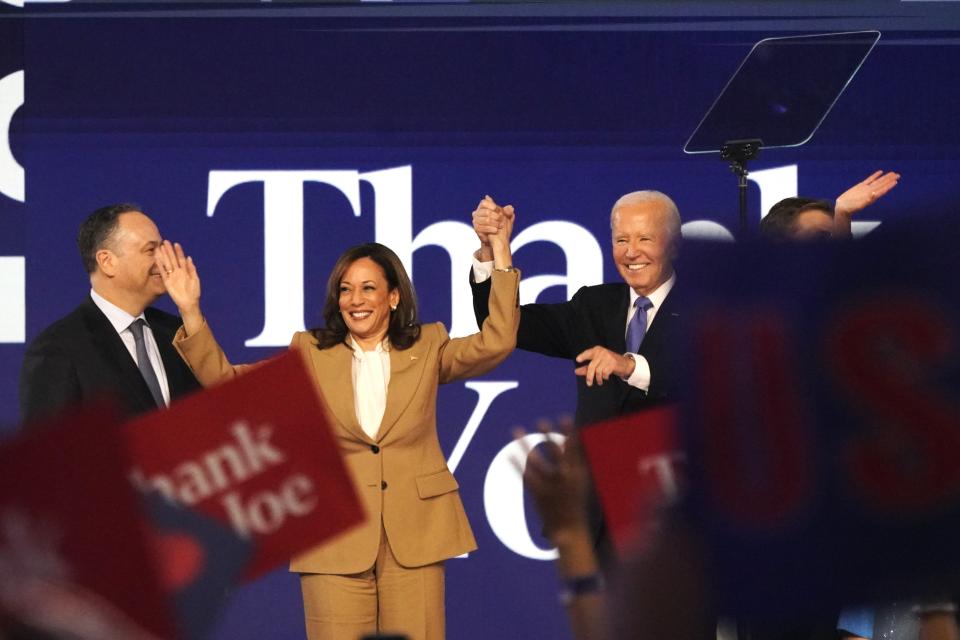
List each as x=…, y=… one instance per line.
x=81, y=357
x=597, y=315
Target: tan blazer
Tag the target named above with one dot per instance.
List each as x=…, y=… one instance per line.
x=402, y=476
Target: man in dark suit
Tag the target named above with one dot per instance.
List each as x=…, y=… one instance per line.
x=620, y=335
x=113, y=344
x=597, y=326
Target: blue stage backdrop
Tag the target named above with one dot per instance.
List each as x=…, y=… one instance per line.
x=268, y=138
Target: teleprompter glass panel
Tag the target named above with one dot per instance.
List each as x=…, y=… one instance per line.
x=783, y=90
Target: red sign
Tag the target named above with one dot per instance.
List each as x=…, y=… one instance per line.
x=255, y=453
x=634, y=461
x=74, y=550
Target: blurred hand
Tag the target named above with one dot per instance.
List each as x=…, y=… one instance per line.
x=557, y=479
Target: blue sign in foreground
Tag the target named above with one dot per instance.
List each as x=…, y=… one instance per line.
x=823, y=420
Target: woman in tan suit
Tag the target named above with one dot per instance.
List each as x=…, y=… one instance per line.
x=378, y=370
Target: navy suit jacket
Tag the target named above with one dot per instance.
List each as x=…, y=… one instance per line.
x=81, y=358
x=597, y=315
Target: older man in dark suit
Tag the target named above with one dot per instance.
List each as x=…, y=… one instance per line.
x=113, y=344
x=619, y=334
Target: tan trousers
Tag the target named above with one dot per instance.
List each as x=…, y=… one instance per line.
x=386, y=598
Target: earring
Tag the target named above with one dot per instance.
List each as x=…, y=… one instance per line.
x=393, y=307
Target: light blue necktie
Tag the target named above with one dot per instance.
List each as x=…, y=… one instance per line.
x=638, y=324
x=143, y=362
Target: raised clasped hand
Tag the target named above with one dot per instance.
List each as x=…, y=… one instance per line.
x=492, y=222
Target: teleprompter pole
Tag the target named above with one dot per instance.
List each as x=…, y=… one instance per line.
x=738, y=153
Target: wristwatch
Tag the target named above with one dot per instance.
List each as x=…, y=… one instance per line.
x=581, y=585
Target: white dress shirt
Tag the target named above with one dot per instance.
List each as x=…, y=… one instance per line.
x=640, y=378
x=121, y=321
x=371, y=378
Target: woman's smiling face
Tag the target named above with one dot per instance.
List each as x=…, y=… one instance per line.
x=365, y=302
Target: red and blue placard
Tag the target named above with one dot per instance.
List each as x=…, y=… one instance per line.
x=822, y=417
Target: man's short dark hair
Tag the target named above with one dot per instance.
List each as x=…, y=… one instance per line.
x=778, y=223
x=96, y=230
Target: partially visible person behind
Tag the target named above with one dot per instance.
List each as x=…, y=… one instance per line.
x=378, y=370
x=803, y=219
x=813, y=218
x=799, y=219
x=114, y=343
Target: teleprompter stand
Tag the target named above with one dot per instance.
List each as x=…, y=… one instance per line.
x=738, y=153
x=778, y=97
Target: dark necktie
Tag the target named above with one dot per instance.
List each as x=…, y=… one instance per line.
x=143, y=362
x=638, y=325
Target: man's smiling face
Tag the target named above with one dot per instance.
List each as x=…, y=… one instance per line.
x=643, y=245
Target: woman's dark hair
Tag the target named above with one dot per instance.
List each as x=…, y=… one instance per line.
x=778, y=223
x=404, y=328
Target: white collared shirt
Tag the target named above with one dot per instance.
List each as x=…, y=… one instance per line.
x=640, y=378
x=371, y=378
x=121, y=321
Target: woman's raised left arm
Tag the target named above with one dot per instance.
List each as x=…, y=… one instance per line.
x=478, y=353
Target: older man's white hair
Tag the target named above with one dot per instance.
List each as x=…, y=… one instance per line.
x=668, y=207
